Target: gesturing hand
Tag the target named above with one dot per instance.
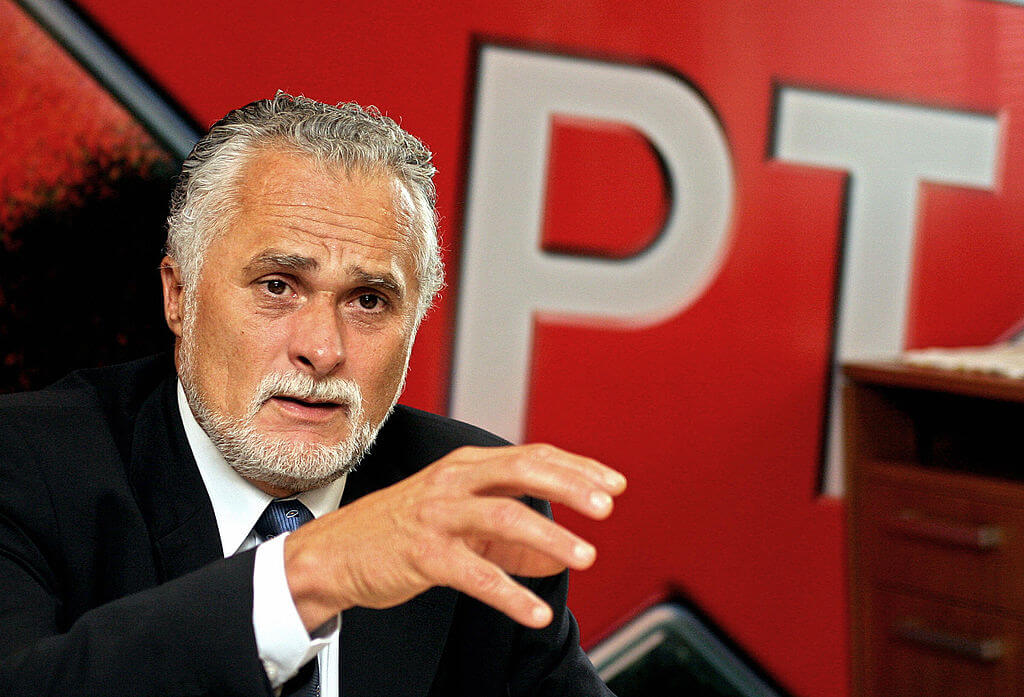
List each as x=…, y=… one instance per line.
x=455, y=523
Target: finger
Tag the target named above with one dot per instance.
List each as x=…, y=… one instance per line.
x=510, y=529
x=516, y=559
x=528, y=471
x=600, y=474
x=467, y=572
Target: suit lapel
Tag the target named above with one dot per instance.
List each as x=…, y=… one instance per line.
x=393, y=652
x=169, y=488
x=385, y=653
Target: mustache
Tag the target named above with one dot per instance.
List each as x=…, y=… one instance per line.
x=300, y=386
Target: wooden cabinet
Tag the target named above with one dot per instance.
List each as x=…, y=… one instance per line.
x=935, y=491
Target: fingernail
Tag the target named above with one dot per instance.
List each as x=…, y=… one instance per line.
x=583, y=551
x=601, y=501
x=541, y=613
x=614, y=480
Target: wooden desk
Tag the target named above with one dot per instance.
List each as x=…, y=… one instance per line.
x=935, y=490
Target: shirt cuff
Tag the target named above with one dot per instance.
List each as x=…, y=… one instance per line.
x=282, y=641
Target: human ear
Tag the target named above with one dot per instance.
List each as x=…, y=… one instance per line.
x=174, y=291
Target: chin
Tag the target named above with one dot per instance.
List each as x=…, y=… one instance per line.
x=295, y=465
x=289, y=463
x=289, y=481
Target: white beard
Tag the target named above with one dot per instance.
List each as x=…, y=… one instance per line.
x=278, y=462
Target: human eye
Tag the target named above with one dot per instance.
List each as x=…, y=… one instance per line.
x=277, y=287
x=371, y=302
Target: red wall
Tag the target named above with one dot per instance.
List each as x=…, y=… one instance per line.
x=715, y=413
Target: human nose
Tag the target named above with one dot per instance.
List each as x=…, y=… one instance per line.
x=316, y=343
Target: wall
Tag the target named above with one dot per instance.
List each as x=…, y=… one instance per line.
x=665, y=222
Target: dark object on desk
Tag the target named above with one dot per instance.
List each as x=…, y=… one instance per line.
x=673, y=650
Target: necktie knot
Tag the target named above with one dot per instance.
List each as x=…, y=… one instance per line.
x=282, y=516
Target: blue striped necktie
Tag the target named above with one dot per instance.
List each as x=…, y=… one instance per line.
x=285, y=516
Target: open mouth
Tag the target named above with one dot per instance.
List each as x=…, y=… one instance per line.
x=294, y=408
x=308, y=404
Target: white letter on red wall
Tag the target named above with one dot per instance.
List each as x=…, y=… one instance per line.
x=888, y=149
x=505, y=275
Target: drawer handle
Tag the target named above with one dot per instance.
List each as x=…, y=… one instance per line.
x=980, y=537
x=982, y=650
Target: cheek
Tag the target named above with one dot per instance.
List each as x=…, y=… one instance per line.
x=221, y=342
x=382, y=369
x=233, y=333
x=232, y=354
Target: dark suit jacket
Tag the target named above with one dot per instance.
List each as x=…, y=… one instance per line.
x=112, y=581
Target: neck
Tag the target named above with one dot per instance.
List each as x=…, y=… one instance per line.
x=270, y=490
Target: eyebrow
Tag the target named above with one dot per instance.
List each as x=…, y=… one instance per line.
x=273, y=259
x=385, y=281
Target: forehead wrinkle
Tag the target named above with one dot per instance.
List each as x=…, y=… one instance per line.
x=342, y=221
x=398, y=215
x=330, y=210
x=330, y=242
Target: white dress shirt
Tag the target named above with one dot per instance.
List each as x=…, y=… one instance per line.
x=283, y=643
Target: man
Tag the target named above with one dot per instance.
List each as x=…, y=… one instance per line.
x=140, y=515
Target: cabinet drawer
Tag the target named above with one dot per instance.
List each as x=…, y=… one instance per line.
x=923, y=647
x=945, y=544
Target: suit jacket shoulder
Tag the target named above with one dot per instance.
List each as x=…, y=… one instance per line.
x=408, y=441
x=111, y=580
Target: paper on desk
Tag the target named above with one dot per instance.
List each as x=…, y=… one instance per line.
x=1000, y=359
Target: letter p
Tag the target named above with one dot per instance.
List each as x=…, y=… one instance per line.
x=507, y=277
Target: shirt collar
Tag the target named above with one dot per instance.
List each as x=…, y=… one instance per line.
x=237, y=502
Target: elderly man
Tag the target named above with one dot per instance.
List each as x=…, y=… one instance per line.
x=149, y=526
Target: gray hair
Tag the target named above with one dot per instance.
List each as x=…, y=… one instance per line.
x=347, y=135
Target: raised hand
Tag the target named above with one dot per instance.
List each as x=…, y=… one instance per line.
x=456, y=523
